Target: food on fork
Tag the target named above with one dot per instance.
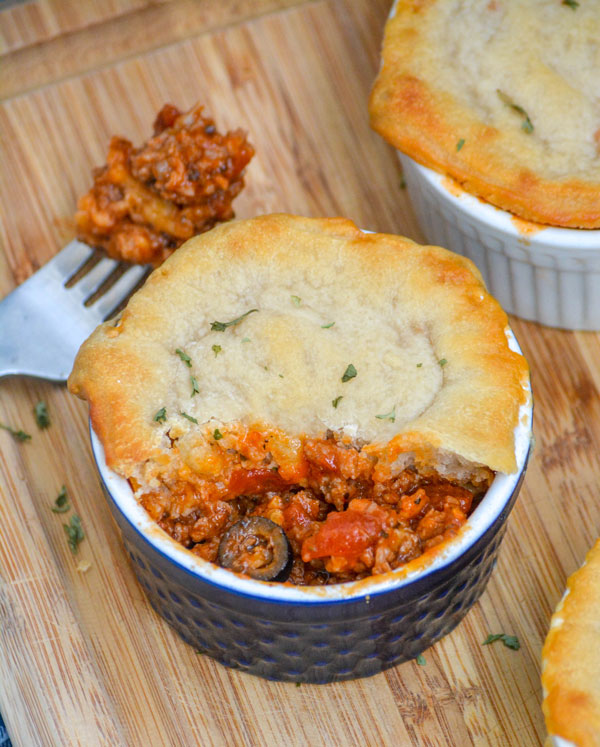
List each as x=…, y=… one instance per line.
x=356, y=390
x=147, y=201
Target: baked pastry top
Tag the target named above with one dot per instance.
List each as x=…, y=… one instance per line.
x=503, y=96
x=571, y=659
x=309, y=326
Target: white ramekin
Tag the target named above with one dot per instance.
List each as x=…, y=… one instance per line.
x=547, y=275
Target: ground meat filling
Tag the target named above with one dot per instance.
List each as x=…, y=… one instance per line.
x=341, y=522
x=147, y=201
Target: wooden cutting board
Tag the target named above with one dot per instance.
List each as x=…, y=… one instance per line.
x=83, y=658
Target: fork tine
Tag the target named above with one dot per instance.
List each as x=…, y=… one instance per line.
x=119, y=291
x=94, y=278
x=70, y=258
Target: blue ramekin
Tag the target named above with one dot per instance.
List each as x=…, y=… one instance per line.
x=316, y=634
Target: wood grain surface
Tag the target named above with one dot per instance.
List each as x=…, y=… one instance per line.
x=83, y=658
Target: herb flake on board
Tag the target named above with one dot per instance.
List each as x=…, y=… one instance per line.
x=19, y=434
x=42, y=416
x=61, y=504
x=510, y=641
x=74, y=532
x=335, y=402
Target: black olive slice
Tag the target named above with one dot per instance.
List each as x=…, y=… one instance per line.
x=257, y=547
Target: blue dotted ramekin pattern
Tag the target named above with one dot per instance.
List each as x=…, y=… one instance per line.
x=4, y=738
x=315, y=642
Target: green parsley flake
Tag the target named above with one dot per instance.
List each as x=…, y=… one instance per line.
x=335, y=402
x=74, y=532
x=19, y=435
x=296, y=300
x=195, y=387
x=526, y=125
x=188, y=417
x=402, y=182
x=222, y=326
x=184, y=357
x=419, y=365
x=510, y=641
x=42, y=416
x=573, y=4
x=61, y=504
x=349, y=373
x=327, y=326
x=161, y=415
x=245, y=339
x=421, y=660
x=217, y=349
x=388, y=416
x=442, y=362
x=460, y=144
x=217, y=435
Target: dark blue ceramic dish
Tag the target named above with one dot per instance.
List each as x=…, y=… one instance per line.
x=316, y=634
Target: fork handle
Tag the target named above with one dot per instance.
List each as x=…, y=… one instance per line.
x=28, y=338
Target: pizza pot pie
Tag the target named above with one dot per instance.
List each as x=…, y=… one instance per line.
x=502, y=96
x=297, y=400
x=571, y=659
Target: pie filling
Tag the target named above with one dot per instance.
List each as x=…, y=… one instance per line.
x=306, y=510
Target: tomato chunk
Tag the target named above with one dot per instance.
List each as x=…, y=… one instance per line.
x=343, y=534
x=251, y=481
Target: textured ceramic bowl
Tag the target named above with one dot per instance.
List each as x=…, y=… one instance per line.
x=316, y=634
x=544, y=274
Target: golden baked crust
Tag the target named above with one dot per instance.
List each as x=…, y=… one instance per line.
x=426, y=340
x=571, y=659
x=503, y=96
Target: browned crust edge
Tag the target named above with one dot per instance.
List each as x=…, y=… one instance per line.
x=571, y=659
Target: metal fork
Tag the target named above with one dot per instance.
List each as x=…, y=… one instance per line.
x=44, y=321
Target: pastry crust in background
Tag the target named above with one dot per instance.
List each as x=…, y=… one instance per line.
x=427, y=341
x=571, y=659
x=436, y=99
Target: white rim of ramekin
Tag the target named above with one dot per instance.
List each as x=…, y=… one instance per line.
x=479, y=522
x=546, y=238
x=561, y=741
